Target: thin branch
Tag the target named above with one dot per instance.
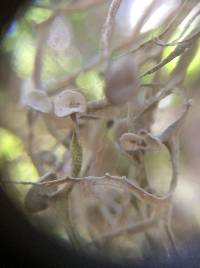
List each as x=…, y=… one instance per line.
x=67, y=7
x=108, y=28
x=180, y=71
x=131, y=229
x=179, y=50
x=188, y=24
x=174, y=128
x=101, y=104
x=70, y=226
x=185, y=29
x=39, y=60
x=169, y=231
x=32, y=116
x=114, y=181
x=65, y=81
x=60, y=138
x=170, y=25
x=152, y=101
x=98, y=105
x=194, y=35
x=96, y=61
x=170, y=138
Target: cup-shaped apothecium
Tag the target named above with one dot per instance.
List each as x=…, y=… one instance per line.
x=141, y=141
x=69, y=102
x=130, y=142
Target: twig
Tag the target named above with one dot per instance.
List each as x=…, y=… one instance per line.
x=38, y=64
x=65, y=81
x=161, y=35
x=90, y=117
x=108, y=28
x=131, y=229
x=152, y=101
x=103, y=103
x=70, y=227
x=79, y=6
x=114, y=181
x=96, y=61
x=180, y=49
x=173, y=147
x=187, y=26
x=98, y=105
x=179, y=72
x=188, y=40
x=31, y=121
x=47, y=177
x=174, y=128
x=169, y=231
x=60, y=138
x=170, y=138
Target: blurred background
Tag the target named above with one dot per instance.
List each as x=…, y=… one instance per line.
x=55, y=45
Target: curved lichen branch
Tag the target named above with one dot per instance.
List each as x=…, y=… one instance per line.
x=153, y=101
x=189, y=22
x=179, y=50
x=98, y=104
x=170, y=138
x=174, y=128
x=97, y=60
x=173, y=22
x=39, y=56
x=194, y=35
x=113, y=181
x=108, y=28
x=166, y=222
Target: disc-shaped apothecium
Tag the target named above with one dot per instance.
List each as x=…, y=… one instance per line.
x=121, y=81
x=141, y=141
x=69, y=102
x=153, y=143
x=130, y=142
x=39, y=101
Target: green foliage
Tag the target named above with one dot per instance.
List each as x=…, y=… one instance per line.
x=91, y=84
x=158, y=168
x=193, y=68
x=10, y=146
x=60, y=64
x=78, y=19
x=172, y=64
x=13, y=151
x=24, y=53
x=37, y=15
